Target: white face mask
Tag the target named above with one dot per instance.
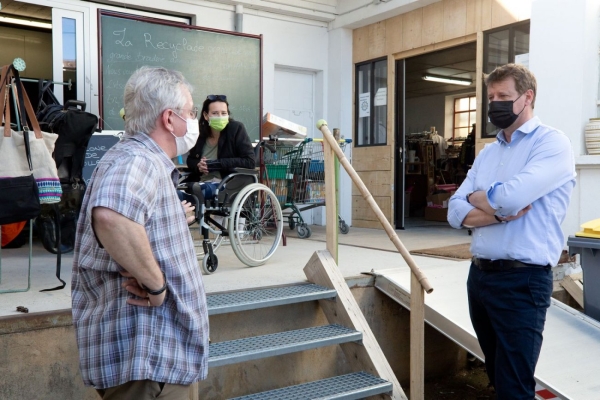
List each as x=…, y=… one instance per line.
x=186, y=142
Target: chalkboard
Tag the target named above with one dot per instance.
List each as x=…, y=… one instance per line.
x=98, y=145
x=214, y=62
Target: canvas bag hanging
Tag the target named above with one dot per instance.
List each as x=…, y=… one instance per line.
x=41, y=146
x=19, y=198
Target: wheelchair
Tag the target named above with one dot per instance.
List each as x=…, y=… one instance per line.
x=245, y=212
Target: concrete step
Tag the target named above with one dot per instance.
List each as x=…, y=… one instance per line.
x=357, y=385
x=252, y=348
x=270, y=297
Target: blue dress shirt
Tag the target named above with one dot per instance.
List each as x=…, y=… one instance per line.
x=537, y=167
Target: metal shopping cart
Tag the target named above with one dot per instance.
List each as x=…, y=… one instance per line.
x=294, y=170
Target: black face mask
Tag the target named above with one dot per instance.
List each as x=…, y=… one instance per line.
x=501, y=113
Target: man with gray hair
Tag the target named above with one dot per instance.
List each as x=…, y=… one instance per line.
x=139, y=307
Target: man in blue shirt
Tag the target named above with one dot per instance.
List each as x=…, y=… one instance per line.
x=515, y=198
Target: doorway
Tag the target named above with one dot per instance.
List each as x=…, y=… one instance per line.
x=44, y=43
x=295, y=101
x=435, y=120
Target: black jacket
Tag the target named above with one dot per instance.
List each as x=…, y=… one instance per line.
x=234, y=151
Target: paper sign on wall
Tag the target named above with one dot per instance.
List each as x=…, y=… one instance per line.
x=381, y=97
x=364, y=105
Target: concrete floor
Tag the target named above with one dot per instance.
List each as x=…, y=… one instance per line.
x=361, y=250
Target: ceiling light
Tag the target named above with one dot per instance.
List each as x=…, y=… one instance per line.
x=27, y=22
x=446, y=79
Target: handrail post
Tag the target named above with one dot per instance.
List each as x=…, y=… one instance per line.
x=417, y=339
x=331, y=225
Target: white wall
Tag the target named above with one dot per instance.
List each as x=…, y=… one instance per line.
x=339, y=105
x=564, y=57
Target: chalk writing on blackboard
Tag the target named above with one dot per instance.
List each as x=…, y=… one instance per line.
x=213, y=62
x=98, y=146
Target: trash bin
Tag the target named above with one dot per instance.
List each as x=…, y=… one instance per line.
x=589, y=251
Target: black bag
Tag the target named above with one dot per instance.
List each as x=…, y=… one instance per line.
x=19, y=199
x=57, y=224
x=19, y=196
x=64, y=217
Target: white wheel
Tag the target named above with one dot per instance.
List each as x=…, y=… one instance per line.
x=255, y=224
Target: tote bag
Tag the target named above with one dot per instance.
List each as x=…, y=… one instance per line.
x=13, y=144
x=19, y=198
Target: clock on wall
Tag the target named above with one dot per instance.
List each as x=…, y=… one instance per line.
x=19, y=64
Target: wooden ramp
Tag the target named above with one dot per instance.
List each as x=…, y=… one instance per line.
x=568, y=364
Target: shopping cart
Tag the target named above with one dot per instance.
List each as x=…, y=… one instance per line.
x=295, y=173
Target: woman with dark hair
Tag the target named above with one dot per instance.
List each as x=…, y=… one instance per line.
x=223, y=145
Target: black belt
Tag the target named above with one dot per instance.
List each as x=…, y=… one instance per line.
x=503, y=265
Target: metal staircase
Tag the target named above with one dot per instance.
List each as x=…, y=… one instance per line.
x=355, y=385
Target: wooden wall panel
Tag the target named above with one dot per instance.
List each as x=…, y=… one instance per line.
x=377, y=40
x=362, y=211
x=433, y=23
x=501, y=15
x=486, y=14
x=472, y=17
x=360, y=44
x=393, y=34
x=379, y=183
x=360, y=223
x=373, y=158
x=455, y=18
x=412, y=25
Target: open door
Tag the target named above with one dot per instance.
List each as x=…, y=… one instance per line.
x=399, y=147
x=68, y=54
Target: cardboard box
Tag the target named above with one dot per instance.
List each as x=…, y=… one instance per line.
x=276, y=126
x=436, y=214
x=439, y=200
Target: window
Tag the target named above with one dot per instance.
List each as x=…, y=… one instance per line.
x=371, y=103
x=502, y=46
x=464, y=116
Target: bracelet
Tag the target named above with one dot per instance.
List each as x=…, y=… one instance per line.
x=158, y=291
x=498, y=219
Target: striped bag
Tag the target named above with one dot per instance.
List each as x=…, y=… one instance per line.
x=41, y=144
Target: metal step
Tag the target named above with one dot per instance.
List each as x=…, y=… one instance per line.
x=357, y=385
x=252, y=299
x=275, y=344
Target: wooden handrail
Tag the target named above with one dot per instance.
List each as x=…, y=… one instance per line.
x=322, y=126
x=419, y=284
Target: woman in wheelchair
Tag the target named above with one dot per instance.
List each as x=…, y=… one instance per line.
x=223, y=145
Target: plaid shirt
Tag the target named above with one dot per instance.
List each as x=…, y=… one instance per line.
x=119, y=342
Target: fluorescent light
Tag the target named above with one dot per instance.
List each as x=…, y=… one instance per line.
x=446, y=79
x=26, y=22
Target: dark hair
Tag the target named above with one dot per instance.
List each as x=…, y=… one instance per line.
x=204, y=128
x=524, y=79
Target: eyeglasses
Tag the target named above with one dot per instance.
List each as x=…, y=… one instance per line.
x=193, y=111
x=216, y=97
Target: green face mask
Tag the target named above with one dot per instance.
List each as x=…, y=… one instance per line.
x=218, y=123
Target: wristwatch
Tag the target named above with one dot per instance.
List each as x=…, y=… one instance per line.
x=499, y=220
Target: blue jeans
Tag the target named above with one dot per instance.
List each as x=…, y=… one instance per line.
x=508, y=312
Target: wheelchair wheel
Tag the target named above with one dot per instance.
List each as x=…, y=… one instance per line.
x=292, y=221
x=215, y=239
x=209, y=264
x=255, y=224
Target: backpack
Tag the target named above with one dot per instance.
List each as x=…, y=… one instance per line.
x=57, y=223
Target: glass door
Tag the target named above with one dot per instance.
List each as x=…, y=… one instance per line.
x=68, y=55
